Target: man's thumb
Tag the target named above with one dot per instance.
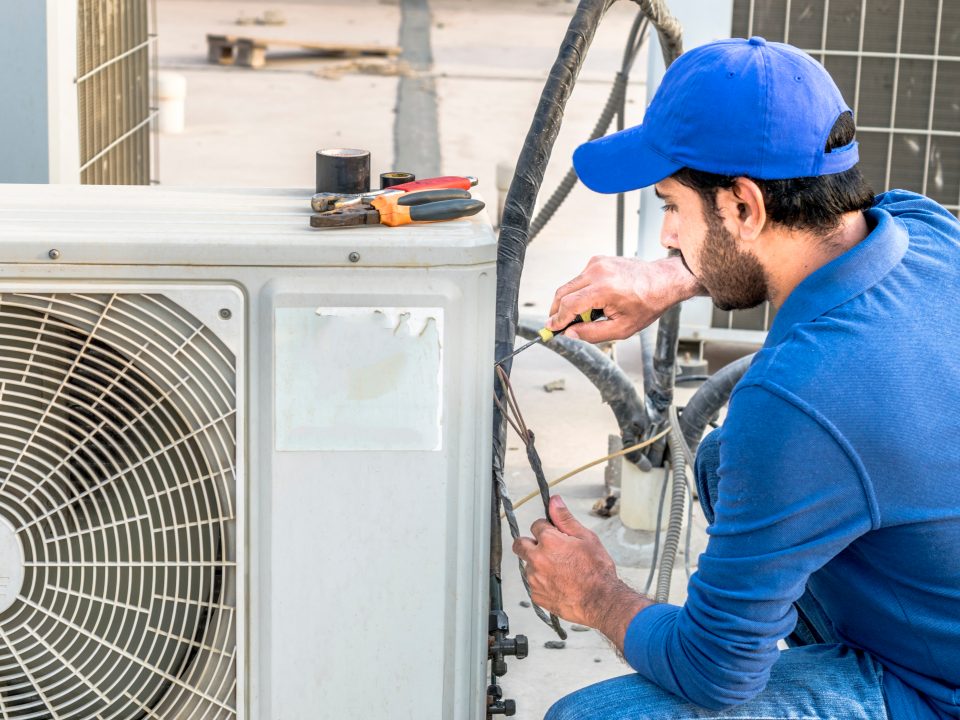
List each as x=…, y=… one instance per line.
x=563, y=519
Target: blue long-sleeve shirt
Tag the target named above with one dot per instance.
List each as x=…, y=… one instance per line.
x=839, y=467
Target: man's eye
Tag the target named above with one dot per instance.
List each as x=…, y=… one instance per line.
x=668, y=207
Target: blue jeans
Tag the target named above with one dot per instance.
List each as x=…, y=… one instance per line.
x=818, y=678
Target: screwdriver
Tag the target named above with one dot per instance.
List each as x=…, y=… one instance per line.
x=546, y=334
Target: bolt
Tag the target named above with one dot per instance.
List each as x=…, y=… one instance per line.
x=225, y=313
x=354, y=257
x=54, y=254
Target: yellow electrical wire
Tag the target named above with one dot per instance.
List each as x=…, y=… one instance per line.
x=570, y=474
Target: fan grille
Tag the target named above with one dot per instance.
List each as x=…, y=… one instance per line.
x=117, y=490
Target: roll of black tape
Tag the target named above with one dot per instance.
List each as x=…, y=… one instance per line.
x=343, y=170
x=389, y=179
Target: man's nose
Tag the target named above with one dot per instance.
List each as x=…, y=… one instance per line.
x=668, y=235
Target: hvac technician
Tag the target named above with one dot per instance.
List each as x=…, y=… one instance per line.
x=833, y=487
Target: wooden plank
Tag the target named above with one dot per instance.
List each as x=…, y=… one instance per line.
x=251, y=52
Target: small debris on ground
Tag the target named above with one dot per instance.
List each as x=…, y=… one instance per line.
x=607, y=348
x=269, y=17
x=555, y=644
x=512, y=448
x=524, y=603
x=579, y=628
x=553, y=385
x=597, y=660
x=606, y=507
x=529, y=304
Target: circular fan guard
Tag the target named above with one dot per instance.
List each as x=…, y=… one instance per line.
x=117, y=496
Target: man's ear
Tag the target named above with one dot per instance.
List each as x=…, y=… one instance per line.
x=742, y=205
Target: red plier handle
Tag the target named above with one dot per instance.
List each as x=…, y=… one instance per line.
x=452, y=182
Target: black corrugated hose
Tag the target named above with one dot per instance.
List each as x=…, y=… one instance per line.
x=614, y=103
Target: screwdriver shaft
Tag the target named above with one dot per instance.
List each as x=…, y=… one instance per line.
x=518, y=350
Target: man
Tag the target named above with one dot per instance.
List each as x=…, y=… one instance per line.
x=833, y=487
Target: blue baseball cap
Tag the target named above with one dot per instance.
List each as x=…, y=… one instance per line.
x=732, y=107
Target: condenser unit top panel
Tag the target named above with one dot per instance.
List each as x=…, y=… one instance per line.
x=237, y=226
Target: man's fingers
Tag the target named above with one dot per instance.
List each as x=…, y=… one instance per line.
x=602, y=330
x=572, y=305
x=564, y=519
x=578, y=283
x=540, y=527
x=522, y=547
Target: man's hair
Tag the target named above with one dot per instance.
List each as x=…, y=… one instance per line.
x=810, y=204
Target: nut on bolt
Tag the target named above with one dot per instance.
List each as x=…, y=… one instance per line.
x=54, y=254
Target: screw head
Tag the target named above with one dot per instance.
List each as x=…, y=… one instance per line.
x=54, y=254
x=225, y=313
x=354, y=257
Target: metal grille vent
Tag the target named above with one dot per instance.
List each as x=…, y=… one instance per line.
x=117, y=497
x=114, y=90
x=898, y=66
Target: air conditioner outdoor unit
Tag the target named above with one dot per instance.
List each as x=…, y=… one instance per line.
x=244, y=465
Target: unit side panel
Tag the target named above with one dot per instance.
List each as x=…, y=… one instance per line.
x=374, y=562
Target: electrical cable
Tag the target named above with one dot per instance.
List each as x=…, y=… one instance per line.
x=656, y=532
x=518, y=424
x=678, y=432
x=589, y=465
x=689, y=537
x=672, y=540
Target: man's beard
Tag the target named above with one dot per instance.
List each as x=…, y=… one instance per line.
x=734, y=278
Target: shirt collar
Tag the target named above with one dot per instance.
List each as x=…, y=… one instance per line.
x=845, y=277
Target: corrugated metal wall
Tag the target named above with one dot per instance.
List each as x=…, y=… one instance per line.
x=114, y=85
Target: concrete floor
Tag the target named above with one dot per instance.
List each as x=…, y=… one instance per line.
x=261, y=128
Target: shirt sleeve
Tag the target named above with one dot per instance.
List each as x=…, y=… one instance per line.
x=791, y=496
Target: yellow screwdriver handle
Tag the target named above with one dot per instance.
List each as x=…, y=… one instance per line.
x=585, y=316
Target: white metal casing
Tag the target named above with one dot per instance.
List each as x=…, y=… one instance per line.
x=39, y=137
x=362, y=557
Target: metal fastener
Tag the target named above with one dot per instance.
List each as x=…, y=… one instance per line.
x=354, y=257
x=225, y=313
x=54, y=254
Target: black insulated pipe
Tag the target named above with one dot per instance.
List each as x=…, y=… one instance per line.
x=704, y=407
x=616, y=387
x=518, y=210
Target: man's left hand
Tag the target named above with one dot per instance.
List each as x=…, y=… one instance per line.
x=572, y=575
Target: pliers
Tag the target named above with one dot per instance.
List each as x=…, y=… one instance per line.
x=324, y=201
x=401, y=209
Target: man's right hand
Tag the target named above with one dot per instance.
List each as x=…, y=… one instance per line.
x=632, y=294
